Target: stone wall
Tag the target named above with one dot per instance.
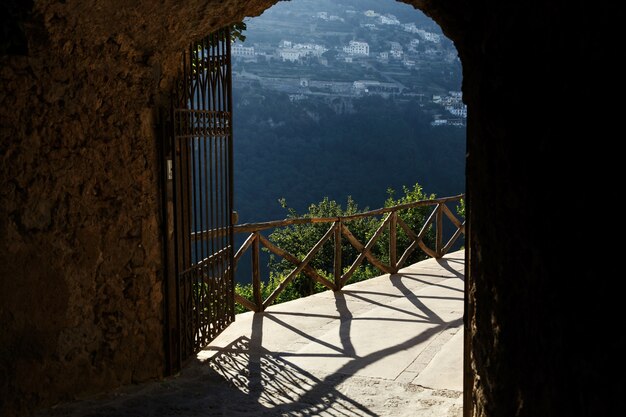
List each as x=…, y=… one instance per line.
x=81, y=296
x=540, y=174
x=80, y=258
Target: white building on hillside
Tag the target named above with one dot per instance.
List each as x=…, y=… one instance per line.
x=429, y=36
x=239, y=50
x=458, y=110
x=388, y=19
x=361, y=87
x=310, y=49
x=289, y=51
x=357, y=48
x=290, y=54
x=396, y=50
x=410, y=27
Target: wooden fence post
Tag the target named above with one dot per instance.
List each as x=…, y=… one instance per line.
x=439, y=236
x=393, y=236
x=256, y=275
x=337, y=267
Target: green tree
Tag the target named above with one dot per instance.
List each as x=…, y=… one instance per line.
x=236, y=31
x=460, y=209
x=299, y=239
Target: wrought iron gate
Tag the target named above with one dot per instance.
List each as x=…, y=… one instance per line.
x=198, y=179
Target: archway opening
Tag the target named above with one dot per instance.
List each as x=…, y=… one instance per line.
x=395, y=80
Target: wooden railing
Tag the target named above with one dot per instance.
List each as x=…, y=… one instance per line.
x=336, y=232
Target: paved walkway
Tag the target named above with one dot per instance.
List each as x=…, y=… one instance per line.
x=389, y=346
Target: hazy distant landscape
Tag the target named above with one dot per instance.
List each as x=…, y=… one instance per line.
x=316, y=116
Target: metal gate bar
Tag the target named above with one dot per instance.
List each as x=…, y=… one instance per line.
x=199, y=151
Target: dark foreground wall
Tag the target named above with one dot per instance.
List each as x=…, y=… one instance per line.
x=80, y=256
x=80, y=252
x=542, y=176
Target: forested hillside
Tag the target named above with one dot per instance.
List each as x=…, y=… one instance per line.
x=304, y=151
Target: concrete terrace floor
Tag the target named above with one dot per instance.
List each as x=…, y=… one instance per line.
x=388, y=346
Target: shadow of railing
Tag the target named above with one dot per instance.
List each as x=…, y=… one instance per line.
x=268, y=382
x=272, y=380
x=445, y=264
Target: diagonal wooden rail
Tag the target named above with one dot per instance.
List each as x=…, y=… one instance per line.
x=338, y=230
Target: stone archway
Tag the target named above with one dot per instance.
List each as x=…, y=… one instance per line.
x=80, y=257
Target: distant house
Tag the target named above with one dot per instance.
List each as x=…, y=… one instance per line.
x=448, y=122
x=388, y=19
x=396, y=50
x=290, y=54
x=396, y=54
x=395, y=46
x=310, y=49
x=429, y=36
x=239, y=50
x=357, y=48
x=410, y=27
x=458, y=110
x=289, y=51
x=375, y=87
